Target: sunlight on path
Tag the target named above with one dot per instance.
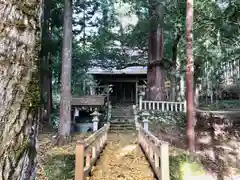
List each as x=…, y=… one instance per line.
x=122, y=159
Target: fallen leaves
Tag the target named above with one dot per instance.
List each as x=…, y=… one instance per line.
x=122, y=159
x=56, y=162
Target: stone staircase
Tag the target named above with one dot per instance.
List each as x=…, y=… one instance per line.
x=122, y=126
x=122, y=119
x=122, y=111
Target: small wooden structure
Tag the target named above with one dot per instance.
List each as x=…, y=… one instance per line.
x=89, y=101
x=125, y=83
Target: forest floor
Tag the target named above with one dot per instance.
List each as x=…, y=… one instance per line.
x=122, y=159
x=211, y=168
x=56, y=162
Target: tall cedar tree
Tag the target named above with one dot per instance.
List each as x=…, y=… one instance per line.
x=45, y=65
x=189, y=76
x=19, y=90
x=155, y=72
x=65, y=103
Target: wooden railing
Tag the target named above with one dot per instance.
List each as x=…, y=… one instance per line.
x=88, y=151
x=156, y=151
x=162, y=106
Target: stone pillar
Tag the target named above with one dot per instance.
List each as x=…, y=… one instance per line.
x=76, y=112
x=135, y=113
x=95, y=120
x=136, y=90
x=109, y=112
x=141, y=94
x=145, y=115
x=92, y=90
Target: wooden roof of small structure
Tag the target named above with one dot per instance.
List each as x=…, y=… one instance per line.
x=132, y=70
x=88, y=101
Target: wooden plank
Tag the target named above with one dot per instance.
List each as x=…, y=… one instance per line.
x=165, y=175
x=88, y=101
x=79, y=162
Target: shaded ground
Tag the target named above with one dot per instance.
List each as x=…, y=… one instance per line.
x=221, y=105
x=56, y=162
x=122, y=159
x=218, y=151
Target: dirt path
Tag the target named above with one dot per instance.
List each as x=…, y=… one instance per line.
x=122, y=159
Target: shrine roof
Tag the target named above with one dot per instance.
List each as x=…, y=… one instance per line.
x=134, y=70
x=88, y=101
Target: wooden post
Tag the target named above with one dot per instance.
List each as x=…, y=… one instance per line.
x=140, y=100
x=164, y=162
x=109, y=112
x=185, y=106
x=79, y=161
x=135, y=114
x=156, y=160
x=136, y=86
x=94, y=152
x=105, y=133
x=88, y=159
x=145, y=120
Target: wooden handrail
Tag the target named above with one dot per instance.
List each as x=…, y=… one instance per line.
x=88, y=151
x=157, y=153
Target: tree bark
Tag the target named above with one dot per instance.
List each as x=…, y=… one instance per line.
x=19, y=90
x=46, y=74
x=189, y=77
x=65, y=103
x=174, y=66
x=155, y=72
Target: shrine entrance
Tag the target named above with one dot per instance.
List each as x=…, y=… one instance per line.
x=124, y=83
x=123, y=93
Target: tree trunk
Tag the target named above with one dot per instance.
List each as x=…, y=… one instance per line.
x=189, y=77
x=48, y=89
x=65, y=103
x=155, y=72
x=174, y=66
x=45, y=74
x=19, y=90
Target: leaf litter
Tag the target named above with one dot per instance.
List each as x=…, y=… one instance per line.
x=122, y=159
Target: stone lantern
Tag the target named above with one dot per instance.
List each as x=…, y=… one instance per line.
x=95, y=120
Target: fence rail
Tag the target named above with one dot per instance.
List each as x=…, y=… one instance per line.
x=163, y=106
x=156, y=151
x=87, y=152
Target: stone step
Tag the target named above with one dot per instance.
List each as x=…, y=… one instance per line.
x=122, y=131
x=121, y=112
x=122, y=117
x=122, y=126
x=113, y=112
x=121, y=121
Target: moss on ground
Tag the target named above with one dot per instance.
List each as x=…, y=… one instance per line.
x=182, y=164
x=60, y=167
x=56, y=162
